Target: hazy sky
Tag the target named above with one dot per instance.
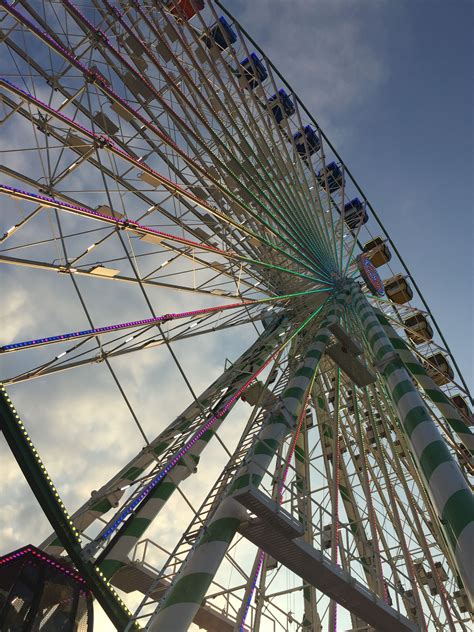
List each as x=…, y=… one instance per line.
x=390, y=81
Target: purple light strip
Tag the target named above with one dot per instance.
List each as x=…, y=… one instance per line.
x=174, y=460
x=231, y=401
x=120, y=326
x=242, y=627
x=43, y=557
x=119, y=222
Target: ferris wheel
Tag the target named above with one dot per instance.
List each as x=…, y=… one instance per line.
x=222, y=366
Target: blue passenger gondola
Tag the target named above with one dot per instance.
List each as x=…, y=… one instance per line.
x=355, y=214
x=253, y=71
x=281, y=106
x=220, y=33
x=334, y=177
x=312, y=141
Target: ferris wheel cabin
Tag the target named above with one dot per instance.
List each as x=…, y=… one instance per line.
x=377, y=251
x=439, y=369
x=281, y=106
x=398, y=290
x=463, y=408
x=306, y=141
x=185, y=9
x=418, y=329
x=334, y=177
x=220, y=34
x=254, y=72
x=355, y=214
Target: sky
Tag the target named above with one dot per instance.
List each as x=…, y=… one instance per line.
x=389, y=82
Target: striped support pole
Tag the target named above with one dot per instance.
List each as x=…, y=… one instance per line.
x=116, y=554
x=448, y=489
x=432, y=390
x=311, y=621
x=111, y=492
x=182, y=601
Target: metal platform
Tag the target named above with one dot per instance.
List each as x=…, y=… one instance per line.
x=135, y=576
x=349, y=344
x=350, y=365
x=344, y=353
x=270, y=511
x=269, y=533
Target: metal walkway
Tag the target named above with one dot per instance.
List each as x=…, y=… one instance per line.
x=136, y=576
x=279, y=534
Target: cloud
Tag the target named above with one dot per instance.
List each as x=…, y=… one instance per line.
x=325, y=51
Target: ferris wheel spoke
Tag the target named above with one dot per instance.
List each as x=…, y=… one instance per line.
x=132, y=344
x=185, y=194
x=126, y=224
x=222, y=165
x=136, y=229
x=148, y=321
x=223, y=128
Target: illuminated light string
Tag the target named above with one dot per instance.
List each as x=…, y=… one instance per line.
x=119, y=221
x=186, y=448
x=225, y=408
x=147, y=321
x=29, y=444
x=126, y=223
x=45, y=558
x=252, y=590
x=70, y=524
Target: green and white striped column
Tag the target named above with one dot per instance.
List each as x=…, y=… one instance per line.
x=135, y=527
x=111, y=492
x=182, y=601
x=448, y=489
x=432, y=390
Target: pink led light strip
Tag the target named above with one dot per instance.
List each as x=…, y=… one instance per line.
x=28, y=344
x=128, y=224
x=120, y=326
x=174, y=459
x=45, y=558
x=119, y=222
